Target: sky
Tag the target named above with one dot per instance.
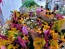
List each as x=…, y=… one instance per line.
x=10, y=5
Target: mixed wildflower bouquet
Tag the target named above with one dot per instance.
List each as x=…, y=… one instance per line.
x=21, y=32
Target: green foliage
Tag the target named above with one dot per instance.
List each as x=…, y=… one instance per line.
x=58, y=24
x=29, y=3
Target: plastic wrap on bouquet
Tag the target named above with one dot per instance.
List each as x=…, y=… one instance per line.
x=23, y=9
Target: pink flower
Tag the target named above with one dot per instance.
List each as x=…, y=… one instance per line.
x=58, y=15
x=21, y=41
x=38, y=10
x=18, y=26
x=3, y=47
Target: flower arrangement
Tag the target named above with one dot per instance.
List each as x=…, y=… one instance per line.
x=23, y=33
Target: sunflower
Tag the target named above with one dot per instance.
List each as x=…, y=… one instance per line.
x=62, y=38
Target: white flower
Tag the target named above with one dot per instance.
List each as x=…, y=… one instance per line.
x=5, y=26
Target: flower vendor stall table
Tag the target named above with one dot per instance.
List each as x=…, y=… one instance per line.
x=24, y=32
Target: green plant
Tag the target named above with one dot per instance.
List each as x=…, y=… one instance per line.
x=29, y=3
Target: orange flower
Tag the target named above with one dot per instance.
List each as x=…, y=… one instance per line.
x=39, y=43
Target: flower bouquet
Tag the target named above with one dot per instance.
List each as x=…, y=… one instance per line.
x=23, y=33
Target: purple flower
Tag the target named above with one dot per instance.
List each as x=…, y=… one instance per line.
x=24, y=30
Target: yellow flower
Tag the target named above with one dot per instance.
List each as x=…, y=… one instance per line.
x=17, y=13
x=20, y=21
x=44, y=29
x=54, y=44
x=10, y=46
x=13, y=29
x=1, y=42
x=39, y=43
x=11, y=34
x=11, y=38
x=62, y=38
x=4, y=42
x=46, y=26
x=44, y=22
x=52, y=47
x=25, y=15
x=25, y=37
x=55, y=36
x=51, y=31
